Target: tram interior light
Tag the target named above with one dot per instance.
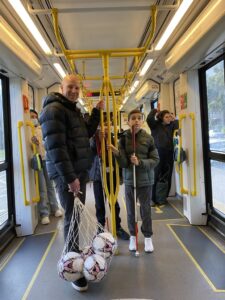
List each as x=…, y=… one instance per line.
x=25, y=17
x=133, y=87
x=59, y=69
x=146, y=66
x=173, y=23
x=15, y=44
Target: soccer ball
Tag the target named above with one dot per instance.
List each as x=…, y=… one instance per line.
x=104, y=244
x=87, y=251
x=95, y=268
x=70, y=266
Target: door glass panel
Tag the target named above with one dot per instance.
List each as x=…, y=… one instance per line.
x=3, y=199
x=2, y=143
x=218, y=186
x=216, y=107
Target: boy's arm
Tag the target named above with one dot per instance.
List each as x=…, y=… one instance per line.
x=120, y=155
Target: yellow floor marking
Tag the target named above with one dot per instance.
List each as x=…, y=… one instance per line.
x=157, y=209
x=193, y=259
x=39, y=267
x=11, y=255
x=46, y=232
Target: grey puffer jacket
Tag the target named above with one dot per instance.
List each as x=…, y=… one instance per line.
x=146, y=152
x=66, y=138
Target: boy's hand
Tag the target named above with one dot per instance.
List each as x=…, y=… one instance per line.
x=113, y=148
x=134, y=160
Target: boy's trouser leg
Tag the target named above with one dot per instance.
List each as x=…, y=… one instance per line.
x=144, y=197
x=129, y=195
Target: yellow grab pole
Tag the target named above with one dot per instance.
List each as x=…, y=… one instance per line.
x=192, y=116
x=105, y=60
x=182, y=189
x=37, y=198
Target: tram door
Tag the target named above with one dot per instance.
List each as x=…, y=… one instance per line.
x=212, y=78
x=6, y=174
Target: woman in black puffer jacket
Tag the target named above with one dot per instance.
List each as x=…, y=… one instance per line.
x=162, y=130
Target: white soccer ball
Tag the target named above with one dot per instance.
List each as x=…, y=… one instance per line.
x=104, y=244
x=95, y=268
x=87, y=251
x=70, y=266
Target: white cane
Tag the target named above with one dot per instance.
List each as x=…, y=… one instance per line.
x=135, y=193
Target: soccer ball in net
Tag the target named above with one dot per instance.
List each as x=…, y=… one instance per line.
x=87, y=251
x=104, y=244
x=70, y=266
x=95, y=268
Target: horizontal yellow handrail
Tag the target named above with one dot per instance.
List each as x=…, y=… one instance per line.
x=182, y=189
x=37, y=198
x=192, y=116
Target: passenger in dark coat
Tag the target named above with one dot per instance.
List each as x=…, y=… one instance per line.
x=162, y=130
x=95, y=174
x=68, y=154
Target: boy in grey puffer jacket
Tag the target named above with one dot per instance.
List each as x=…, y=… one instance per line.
x=145, y=159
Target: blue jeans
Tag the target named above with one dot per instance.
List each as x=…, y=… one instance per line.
x=48, y=202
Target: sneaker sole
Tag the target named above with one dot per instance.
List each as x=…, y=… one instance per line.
x=149, y=251
x=78, y=288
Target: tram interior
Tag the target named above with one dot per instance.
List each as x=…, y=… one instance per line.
x=134, y=54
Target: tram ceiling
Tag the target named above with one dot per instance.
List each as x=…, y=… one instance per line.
x=120, y=24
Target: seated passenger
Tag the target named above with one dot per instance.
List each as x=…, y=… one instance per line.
x=46, y=188
x=145, y=159
x=95, y=175
x=162, y=129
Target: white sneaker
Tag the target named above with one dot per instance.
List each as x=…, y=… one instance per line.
x=58, y=213
x=45, y=220
x=148, y=245
x=132, y=245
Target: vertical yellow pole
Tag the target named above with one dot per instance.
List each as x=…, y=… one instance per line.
x=105, y=58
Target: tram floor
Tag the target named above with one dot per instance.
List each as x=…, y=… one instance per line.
x=169, y=273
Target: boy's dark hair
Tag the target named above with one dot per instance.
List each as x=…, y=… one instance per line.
x=134, y=111
x=33, y=111
x=162, y=114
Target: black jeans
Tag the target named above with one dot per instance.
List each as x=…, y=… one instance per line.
x=67, y=201
x=100, y=204
x=165, y=164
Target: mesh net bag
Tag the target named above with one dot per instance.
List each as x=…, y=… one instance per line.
x=88, y=246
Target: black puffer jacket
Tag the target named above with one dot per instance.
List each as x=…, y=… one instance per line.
x=66, y=138
x=162, y=134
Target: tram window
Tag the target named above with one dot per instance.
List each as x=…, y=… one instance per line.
x=218, y=187
x=2, y=139
x=216, y=104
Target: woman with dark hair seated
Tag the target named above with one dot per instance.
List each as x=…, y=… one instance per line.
x=162, y=130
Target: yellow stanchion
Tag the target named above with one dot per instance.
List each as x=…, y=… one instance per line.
x=37, y=197
x=183, y=190
x=192, y=116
